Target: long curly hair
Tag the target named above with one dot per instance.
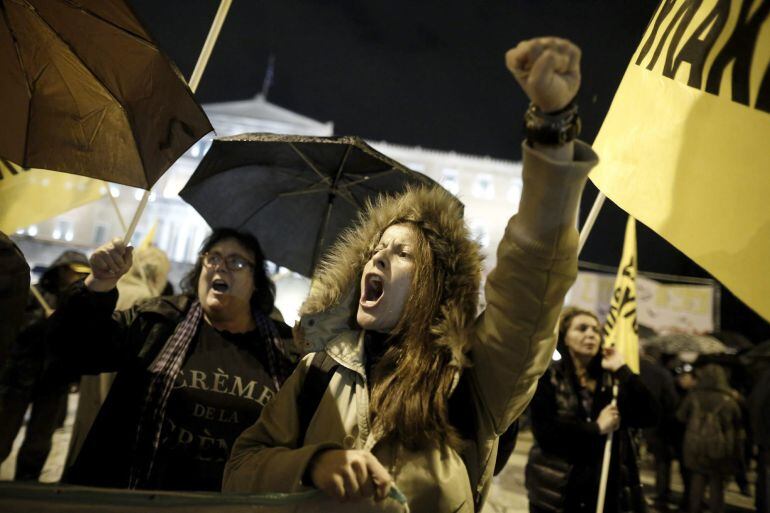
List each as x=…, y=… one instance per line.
x=414, y=379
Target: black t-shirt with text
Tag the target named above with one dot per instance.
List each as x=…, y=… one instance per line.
x=223, y=385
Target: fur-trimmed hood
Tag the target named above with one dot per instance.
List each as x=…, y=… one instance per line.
x=333, y=300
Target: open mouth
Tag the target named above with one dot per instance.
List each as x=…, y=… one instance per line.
x=220, y=286
x=373, y=289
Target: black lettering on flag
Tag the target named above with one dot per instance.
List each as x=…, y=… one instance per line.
x=697, y=48
x=682, y=17
x=665, y=9
x=736, y=54
x=629, y=270
x=739, y=50
x=623, y=303
x=763, y=97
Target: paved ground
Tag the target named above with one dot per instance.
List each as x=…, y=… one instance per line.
x=507, y=495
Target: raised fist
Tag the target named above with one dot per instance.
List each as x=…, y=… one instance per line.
x=548, y=69
x=108, y=263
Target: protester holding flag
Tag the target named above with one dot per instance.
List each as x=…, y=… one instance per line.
x=192, y=370
x=415, y=389
x=571, y=414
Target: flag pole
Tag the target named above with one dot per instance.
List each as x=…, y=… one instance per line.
x=40, y=299
x=203, y=59
x=606, y=460
x=590, y=220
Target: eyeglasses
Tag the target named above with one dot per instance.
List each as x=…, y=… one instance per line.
x=233, y=263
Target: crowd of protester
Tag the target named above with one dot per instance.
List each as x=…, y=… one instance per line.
x=715, y=424
x=391, y=381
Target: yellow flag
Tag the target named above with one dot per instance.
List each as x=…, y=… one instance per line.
x=28, y=196
x=147, y=240
x=620, y=328
x=685, y=147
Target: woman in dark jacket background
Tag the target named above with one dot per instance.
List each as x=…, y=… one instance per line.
x=193, y=370
x=571, y=414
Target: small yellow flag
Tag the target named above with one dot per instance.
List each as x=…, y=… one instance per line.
x=147, y=240
x=620, y=328
x=28, y=196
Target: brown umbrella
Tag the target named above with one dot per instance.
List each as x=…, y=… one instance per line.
x=85, y=90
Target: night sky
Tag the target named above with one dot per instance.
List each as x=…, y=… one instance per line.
x=423, y=73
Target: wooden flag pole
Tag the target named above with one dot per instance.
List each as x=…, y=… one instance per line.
x=40, y=299
x=606, y=460
x=590, y=221
x=200, y=66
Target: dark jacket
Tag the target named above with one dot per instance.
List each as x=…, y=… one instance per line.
x=564, y=431
x=14, y=288
x=26, y=373
x=722, y=403
x=759, y=411
x=100, y=340
x=661, y=438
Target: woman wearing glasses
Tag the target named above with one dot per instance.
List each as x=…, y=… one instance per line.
x=194, y=370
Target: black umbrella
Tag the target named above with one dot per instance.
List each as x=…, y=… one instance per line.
x=686, y=343
x=294, y=193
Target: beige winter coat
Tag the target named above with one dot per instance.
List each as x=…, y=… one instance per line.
x=509, y=346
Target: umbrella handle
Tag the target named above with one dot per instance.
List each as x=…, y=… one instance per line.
x=195, y=78
x=115, y=207
x=135, y=220
x=208, y=45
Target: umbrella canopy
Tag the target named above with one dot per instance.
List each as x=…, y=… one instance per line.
x=685, y=343
x=294, y=193
x=85, y=90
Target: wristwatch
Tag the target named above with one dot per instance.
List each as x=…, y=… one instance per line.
x=553, y=128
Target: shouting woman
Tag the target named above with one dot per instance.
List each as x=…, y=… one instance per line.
x=417, y=389
x=193, y=370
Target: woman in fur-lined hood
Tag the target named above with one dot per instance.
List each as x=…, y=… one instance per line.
x=415, y=387
x=422, y=368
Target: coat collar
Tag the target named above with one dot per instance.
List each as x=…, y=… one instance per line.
x=347, y=349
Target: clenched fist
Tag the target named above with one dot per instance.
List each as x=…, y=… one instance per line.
x=350, y=475
x=108, y=263
x=548, y=69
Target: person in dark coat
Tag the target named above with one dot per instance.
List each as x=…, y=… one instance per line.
x=14, y=289
x=661, y=438
x=571, y=415
x=759, y=414
x=27, y=379
x=193, y=370
x=713, y=438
